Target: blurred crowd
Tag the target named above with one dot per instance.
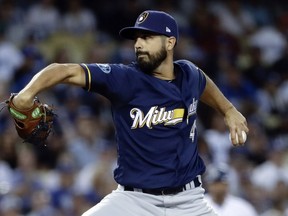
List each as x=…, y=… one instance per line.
x=241, y=44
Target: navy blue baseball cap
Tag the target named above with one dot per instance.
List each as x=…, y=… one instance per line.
x=155, y=22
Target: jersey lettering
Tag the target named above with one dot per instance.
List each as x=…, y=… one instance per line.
x=156, y=116
x=193, y=107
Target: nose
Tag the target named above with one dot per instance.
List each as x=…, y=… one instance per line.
x=137, y=44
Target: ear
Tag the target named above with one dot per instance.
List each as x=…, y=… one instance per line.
x=171, y=42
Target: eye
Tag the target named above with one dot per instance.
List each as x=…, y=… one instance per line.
x=144, y=36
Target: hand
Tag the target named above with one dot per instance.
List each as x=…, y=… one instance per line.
x=34, y=122
x=22, y=101
x=236, y=123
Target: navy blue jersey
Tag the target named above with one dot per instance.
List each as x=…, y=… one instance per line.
x=155, y=122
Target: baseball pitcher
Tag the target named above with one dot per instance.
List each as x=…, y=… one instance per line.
x=154, y=107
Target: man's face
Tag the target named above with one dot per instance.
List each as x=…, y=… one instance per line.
x=150, y=52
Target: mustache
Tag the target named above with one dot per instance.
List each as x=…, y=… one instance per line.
x=141, y=53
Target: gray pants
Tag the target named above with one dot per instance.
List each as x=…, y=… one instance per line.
x=130, y=203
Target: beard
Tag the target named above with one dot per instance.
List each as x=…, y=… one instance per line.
x=148, y=63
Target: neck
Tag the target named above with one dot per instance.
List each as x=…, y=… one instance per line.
x=165, y=71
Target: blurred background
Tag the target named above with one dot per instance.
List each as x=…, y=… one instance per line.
x=240, y=44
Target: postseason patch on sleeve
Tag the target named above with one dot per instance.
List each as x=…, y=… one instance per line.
x=105, y=68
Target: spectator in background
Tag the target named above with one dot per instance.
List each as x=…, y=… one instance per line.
x=257, y=146
x=8, y=153
x=62, y=194
x=6, y=177
x=33, y=61
x=124, y=53
x=282, y=98
x=253, y=69
x=234, y=18
x=260, y=12
x=26, y=179
x=278, y=201
x=271, y=41
x=217, y=138
x=235, y=87
x=11, y=58
x=211, y=42
x=10, y=205
x=281, y=67
x=96, y=180
x=88, y=139
x=78, y=20
x=41, y=204
x=43, y=19
x=219, y=197
x=12, y=17
x=274, y=169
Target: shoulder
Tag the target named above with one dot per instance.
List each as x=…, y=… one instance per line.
x=188, y=67
x=129, y=69
x=186, y=63
x=131, y=66
x=190, y=70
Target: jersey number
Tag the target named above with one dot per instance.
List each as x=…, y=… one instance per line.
x=192, y=131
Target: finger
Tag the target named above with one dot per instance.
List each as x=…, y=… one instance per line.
x=241, y=137
x=238, y=134
x=234, y=140
x=246, y=129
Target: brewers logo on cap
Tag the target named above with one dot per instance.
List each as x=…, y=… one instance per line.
x=142, y=17
x=157, y=22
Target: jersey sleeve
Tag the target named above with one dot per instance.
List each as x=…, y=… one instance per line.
x=194, y=75
x=109, y=80
x=202, y=80
x=199, y=79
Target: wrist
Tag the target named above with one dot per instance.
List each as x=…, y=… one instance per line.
x=228, y=108
x=225, y=109
x=23, y=101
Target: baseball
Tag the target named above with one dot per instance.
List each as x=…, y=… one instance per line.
x=244, y=136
